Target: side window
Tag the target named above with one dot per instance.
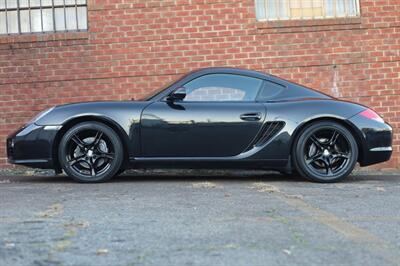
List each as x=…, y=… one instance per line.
x=222, y=87
x=269, y=90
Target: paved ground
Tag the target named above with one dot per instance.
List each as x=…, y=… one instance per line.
x=200, y=218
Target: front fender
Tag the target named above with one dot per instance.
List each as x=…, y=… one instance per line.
x=123, y=115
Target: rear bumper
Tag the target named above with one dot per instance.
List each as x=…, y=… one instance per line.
x=376, y=140
x=32, y=146
x=376, y=156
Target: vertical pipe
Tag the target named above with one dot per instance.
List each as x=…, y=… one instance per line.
x=353, y=8
x=312, y=8
x=30, y=17
x=278, y=9
x=301, y=9
x=41, y=15
x=334, y=8
x=5, y=5
x=18, y=17
x=358, y=8
x=87, y=15
x=65, y=17
x=76, y=15
x=54, y=15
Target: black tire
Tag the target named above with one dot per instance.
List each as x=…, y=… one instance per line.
x=325, y=152
x=90, y=152
x=120, y=172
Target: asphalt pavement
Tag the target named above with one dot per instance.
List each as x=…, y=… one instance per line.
x=199, y=218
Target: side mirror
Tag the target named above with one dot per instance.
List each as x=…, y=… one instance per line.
x=177, y=95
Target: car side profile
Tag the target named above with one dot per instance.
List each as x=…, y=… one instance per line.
x=210, y=118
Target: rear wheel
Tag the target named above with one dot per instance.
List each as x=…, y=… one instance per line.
x=120, y=171
x=325, y=152
x=90, y=152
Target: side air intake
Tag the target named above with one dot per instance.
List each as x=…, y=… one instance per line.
x=270, y=129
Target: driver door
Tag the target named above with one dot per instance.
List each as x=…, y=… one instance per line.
x=219, y=117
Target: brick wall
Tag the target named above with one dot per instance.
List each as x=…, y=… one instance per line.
x=135, y=46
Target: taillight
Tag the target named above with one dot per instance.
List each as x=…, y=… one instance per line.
x=370, y=114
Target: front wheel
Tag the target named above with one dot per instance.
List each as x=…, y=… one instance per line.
x=325, y=152
x=90, y=152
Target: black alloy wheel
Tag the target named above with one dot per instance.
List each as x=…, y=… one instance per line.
x=91, y=152
x=325, y=152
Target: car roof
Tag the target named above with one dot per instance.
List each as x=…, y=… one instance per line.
x=230, y=70
x=295, y=91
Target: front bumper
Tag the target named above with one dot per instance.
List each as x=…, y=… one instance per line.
x=32, y=146
x=376, y=140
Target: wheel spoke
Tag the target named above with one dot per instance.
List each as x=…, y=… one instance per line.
x=313, y=158
x=92, y=170
x=97, y=139
x=341, y=156
x=316, y=142
x=78, y=141
x=106, y=155
x=328, y=166
x=334, y=138
x=76, y=160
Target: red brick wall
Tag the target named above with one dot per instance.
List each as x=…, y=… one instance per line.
x=135, y=46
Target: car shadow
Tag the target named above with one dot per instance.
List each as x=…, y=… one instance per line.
x=200, y=176
x=164, y=176
x=373, y=177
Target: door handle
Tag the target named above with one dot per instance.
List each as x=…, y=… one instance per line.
x=251, y=116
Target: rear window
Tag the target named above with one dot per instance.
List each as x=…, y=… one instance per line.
x=270, y=90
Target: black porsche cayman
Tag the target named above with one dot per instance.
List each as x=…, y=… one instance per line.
x=211, y=118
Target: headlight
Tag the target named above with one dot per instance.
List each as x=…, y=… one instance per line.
x=40, y=115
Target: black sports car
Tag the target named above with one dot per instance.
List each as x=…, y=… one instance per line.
x=214, y=117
